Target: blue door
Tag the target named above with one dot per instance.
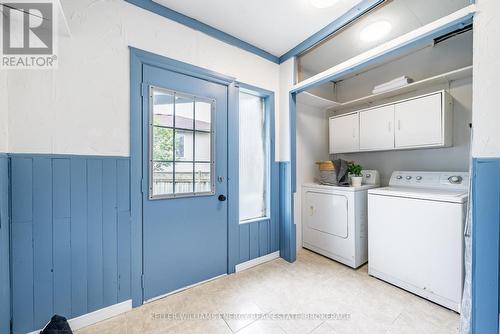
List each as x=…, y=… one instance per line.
x=184, y=180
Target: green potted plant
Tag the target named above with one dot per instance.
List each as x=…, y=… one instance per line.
x=355, y=173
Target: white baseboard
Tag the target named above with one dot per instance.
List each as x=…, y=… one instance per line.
x=182, y=289
x=97, y=316
x=257, y=261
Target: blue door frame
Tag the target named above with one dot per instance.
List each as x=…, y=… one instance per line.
x=139, y=58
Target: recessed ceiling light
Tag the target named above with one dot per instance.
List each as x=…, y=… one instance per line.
x=375, y=31
x=323, y=3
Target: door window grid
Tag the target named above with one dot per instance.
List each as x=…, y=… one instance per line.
x=181, y=131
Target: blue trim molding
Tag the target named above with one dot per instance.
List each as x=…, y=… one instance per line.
x=138, y=58
x=353, y=14
x=485, y=246
x=202, y=27
x=70, y=236
x=4, y=245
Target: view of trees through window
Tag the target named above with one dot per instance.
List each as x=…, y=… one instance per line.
x=181, y=138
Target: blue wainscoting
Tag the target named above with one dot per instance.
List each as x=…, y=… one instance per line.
x=485, y=246
x=4, y=245
x=258, y=239
x=70, y=239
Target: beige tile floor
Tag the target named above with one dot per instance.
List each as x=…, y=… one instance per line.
x=311, y=285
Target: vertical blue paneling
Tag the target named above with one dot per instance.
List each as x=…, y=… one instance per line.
x=254, y=240
x=22, y=244
x=4, y=245
x=70, y=236
x=94, y=235
x=123, y=230
x=244, y=243
x=264, y=237
x=61, y=181
x=42, y=240
x=109, y=232
x=78, y=236
x=485, y=246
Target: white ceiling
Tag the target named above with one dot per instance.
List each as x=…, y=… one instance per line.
x=275, y=26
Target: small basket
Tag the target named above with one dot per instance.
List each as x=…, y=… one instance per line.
x=327, y=173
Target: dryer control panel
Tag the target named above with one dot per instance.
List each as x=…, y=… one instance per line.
x=435, y=180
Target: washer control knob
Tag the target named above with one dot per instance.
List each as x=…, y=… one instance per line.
x=419, y=178
x=455, y=179
x=399, y=177
x=408, y=177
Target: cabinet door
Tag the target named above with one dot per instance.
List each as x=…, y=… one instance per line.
x=376, y=128
x=419, y=122
x=344, y=134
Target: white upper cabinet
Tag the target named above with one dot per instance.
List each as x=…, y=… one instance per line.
x=344, y=133
x=376, y=128
x=419, y=122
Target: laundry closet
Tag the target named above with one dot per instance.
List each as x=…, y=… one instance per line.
x=406, y=120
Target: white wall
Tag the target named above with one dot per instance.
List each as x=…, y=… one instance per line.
x=486, y=98
x=83, y=106
x=4, y=145
x=312, y=146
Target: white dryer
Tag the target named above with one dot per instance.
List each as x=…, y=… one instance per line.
x=334, y=220
x=416, y=234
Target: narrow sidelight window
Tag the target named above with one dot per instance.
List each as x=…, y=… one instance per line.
x=254, y=158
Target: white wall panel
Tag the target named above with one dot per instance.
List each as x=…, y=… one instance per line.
x=486, y=85
x=3, y=112
x=283, y=120
x=312, y=146
x=83, y=106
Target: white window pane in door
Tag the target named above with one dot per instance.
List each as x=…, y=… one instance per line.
x=253, y=158
x=183, y=177
x=203, y=116
x=202, y=150
x=184, y=112
x=163, y=108
x=183, y=145
x=163, y=178
x=202, y=179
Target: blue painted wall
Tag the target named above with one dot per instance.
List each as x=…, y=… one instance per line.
x=486, y=246
x=70, y=236
x=4, y=245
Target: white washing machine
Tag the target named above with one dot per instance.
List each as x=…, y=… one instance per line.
x=334, y=220
x=416, y=228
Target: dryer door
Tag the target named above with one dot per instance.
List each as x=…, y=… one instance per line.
x=327, y=213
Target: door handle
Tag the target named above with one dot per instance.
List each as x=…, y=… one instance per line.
x=222, y=198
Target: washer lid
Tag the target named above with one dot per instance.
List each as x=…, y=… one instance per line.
x=364, y=187
x=440, y=195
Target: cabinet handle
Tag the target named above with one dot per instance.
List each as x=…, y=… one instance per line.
x=399, y=124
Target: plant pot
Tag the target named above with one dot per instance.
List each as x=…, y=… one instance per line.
x=356, y=181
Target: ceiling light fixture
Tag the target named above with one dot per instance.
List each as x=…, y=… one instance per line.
x=323, y=3
x=375, y=31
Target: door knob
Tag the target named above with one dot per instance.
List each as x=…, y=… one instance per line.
x=222, y=198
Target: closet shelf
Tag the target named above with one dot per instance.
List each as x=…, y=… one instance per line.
x=428, y=82
x=316, y=101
